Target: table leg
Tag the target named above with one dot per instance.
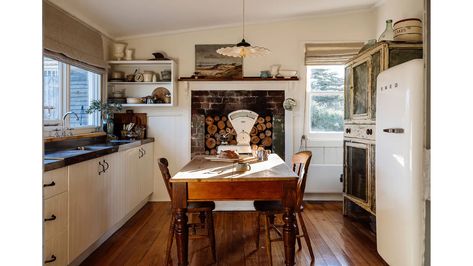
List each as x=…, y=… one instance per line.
x=179, y=202
x=289, y=218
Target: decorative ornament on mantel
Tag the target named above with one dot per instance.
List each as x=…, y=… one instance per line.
x=243, y=48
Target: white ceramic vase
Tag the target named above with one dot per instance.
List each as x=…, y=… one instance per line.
x=119, y=50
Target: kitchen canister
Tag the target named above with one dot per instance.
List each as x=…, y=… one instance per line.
x=129, y=54
x=166, y=75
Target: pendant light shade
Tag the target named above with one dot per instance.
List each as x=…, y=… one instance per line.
x=243, y=49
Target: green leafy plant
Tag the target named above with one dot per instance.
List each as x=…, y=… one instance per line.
x=106, y=109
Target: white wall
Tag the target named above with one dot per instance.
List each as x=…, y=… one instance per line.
x=397, y=10
x=286, y=41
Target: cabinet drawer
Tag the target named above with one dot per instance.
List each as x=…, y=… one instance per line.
x=54, y=182
x=55, y=215
x=55, y=250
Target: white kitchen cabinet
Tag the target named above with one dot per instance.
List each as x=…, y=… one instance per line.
x=86, y=205
x=55, y=250
x=147, y=170
x=132, y=176
x=54, y=182
x=139, y=175
x=114, y=194
x=55, y=217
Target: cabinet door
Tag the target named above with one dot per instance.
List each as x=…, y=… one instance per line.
x=147, y=170
x=348, y=92
x=132, y=178
x=361, y=75
x=375, y=70
x=400, y=55
x=86, y=205
x=114, y=195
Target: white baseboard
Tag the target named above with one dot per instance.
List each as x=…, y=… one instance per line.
x=323, y=197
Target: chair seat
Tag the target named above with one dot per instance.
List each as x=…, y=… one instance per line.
x=200, y=206
x=271, y=206
x=268, y=206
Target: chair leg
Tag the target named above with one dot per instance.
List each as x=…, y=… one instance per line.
x=299, y=244
x=306, y=236
x=169, y=242
x=202, y=219
x=211, y=234
x=258, y=230
x=268, y=239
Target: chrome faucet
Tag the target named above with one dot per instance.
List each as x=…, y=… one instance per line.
x=64, y=121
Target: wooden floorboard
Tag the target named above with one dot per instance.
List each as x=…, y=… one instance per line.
x=336, y=240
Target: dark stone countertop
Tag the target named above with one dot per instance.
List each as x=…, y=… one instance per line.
x=61, y=158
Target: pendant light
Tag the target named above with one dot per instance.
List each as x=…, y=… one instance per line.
x=243, y=49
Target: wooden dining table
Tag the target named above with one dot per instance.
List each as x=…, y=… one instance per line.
x=204, y=179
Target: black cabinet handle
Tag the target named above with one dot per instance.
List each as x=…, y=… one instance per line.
x=348, y=130
x=394, y=130
x=52, y=218
x=52, y=184
x=53, y=258
x=108, y=166
x=103, y=168
x=369, y=131
x=341, y=178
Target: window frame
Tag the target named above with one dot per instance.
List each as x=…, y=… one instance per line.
x=320, y=136
x=64, y=96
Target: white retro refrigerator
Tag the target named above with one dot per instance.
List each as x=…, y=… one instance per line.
x=399, y=160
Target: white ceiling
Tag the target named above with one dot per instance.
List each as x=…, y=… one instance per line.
x=125, y=18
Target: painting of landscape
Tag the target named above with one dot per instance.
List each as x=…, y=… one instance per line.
x=210, y=64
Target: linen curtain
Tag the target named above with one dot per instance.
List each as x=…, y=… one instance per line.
x=331, y=53
x=69, y=40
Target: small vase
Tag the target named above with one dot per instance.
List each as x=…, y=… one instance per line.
x=110, y=127
x=388, y=34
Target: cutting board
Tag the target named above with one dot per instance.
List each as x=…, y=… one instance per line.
x=119, y=119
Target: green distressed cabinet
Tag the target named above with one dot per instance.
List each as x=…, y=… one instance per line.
x=361, y=73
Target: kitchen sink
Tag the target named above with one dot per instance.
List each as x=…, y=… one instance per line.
x=91, y=148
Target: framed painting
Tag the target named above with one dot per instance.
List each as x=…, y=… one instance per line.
x=210, y=64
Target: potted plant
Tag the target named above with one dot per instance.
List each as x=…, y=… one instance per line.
x=106, y=110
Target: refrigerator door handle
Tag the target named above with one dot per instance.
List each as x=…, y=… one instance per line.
x=394, y=130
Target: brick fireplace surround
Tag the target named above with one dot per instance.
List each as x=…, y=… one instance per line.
x=223, y=102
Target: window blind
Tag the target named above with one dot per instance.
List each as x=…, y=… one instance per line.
x=331, y=53
x=70, y=40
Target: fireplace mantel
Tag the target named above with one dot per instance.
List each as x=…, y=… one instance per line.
x=268, y=84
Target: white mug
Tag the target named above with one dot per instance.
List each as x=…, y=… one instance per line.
x=242, y=167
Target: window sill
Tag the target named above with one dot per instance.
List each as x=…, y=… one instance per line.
x=78, y=136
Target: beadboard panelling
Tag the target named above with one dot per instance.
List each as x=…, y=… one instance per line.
x=324, y=179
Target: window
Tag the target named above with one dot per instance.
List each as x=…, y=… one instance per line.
x=69, y=88
x=325, y=94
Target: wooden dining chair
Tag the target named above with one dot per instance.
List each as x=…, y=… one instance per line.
x=204, y=209
x=268, y=209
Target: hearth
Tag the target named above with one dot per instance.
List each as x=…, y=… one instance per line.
x=210, y=109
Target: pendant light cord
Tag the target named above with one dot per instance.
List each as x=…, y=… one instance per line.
x=243, y=19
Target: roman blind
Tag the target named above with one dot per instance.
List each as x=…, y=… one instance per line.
x=330, y=53
x=67, y=39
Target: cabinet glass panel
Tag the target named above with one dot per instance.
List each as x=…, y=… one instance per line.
x=357, y=172
x=400, y=55
x=347, y=93
x=360, y=89
x=375, y=69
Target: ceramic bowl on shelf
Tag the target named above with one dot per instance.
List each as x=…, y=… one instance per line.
x=134, y=100
x=287, y=73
